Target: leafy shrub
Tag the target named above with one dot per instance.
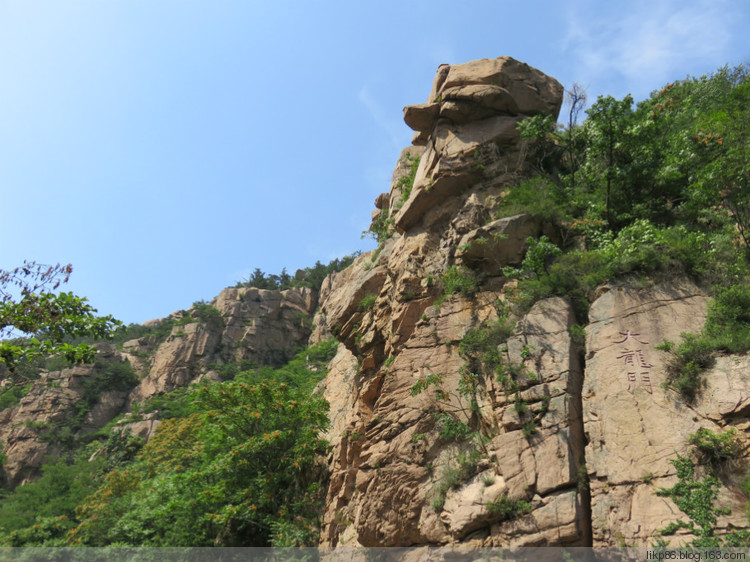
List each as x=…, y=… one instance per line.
x=728, y=320
x=381, y=228
x=727, y=329
x=689, y=359
x=367, y=302
x=696, y=498
x=537, y=196
x=206, y=313
x=457, y=280
x=453, y=476
x=506, y=508
x=406, y=183
x=539, y=255
x=716, y=448
x=452, y=429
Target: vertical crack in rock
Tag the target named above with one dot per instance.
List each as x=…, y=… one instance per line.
x=584, y=487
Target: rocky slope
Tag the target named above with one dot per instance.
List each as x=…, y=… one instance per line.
x=241, y=324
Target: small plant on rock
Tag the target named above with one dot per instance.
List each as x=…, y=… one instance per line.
x=716, y=448
x=367, y=302
x=507, y=508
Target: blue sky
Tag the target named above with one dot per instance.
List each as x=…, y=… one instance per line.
x=166, y=148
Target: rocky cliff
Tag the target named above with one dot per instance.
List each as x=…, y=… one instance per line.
x=457, y=415
x=573, y=438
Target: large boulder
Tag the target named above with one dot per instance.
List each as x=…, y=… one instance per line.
x=469, y=128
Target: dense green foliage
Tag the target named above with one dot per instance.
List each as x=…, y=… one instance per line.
x=233, y=463
x=311, y=277
x=42, y=320
x=43, y=511
x=678, y=157
x=647, y=192
x=506, y=508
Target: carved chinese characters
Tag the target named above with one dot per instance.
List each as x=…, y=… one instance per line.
x=634, y=361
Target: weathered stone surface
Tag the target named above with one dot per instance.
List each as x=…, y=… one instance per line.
x=471, y=118
x=421, y=117
x=402, y=169
x=486, y=81
x=145, y=428
x=467, y=510
x=263, y=325
x=727, y=393
x=390, y=437
x=555, y=521
x=634, y=425
x=44, y=411
x=177, y=360
x=252, y=324
x=498, y=243
x=449, y=164
x=478, y=89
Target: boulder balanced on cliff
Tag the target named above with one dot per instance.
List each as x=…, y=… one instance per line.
x=468, y=129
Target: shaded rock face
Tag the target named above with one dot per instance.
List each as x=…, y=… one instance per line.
x=30, y=433
x=578, y=435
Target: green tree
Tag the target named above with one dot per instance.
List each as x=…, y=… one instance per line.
x=40, y=322
x=724, y=138
x=608, y=154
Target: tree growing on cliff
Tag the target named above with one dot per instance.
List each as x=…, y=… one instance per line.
x=36, y=322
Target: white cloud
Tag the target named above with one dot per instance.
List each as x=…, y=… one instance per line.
x=394, y=128
x=645, y=43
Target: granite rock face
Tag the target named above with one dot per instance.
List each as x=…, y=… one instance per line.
x=393, y=475
x=251, y=324
x=468, y=128
x=634, y=426
x=578, y=432
x=34, y=431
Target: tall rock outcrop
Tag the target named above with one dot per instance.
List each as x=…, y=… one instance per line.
x=576, y=436
x=397, y=479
